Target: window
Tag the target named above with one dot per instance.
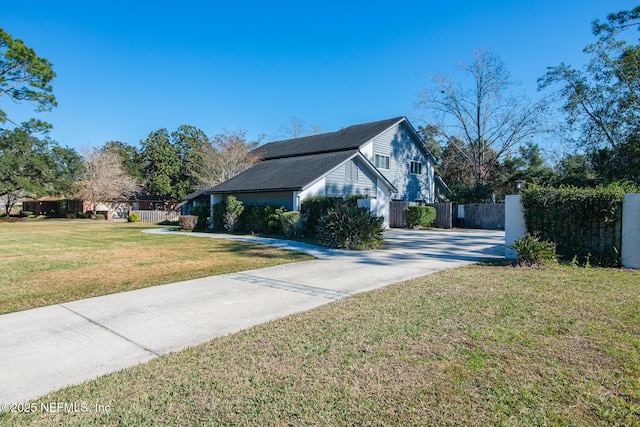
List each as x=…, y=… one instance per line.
x=351, y=171
x=416, y=168
x=381, y=161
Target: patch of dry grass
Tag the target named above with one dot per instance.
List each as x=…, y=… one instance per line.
x=48, y=262
x=482, y=345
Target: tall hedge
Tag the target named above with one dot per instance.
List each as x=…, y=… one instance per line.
x=314, y=208
x=584, y=223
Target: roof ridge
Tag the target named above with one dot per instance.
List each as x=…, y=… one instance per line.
x=353, y=136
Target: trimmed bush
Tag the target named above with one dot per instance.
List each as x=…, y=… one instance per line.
x=187, y=222
x=314, y=208
x=290, y=224
x=532, y=251
x=350, y=227
x=203, y=214
x=421, y=216
x=232, y=213
x=26, y=213
x=261, y=219
x=134, y=217
x=99, y=217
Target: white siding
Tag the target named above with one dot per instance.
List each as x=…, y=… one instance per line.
x=316, y=189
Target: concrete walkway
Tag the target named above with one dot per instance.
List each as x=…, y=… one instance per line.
x=47, y=348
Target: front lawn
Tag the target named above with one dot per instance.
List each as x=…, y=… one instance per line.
x=53, y=261
x=482, y=345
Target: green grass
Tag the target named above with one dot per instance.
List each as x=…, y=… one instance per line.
x=49, y=262
x=482, y=345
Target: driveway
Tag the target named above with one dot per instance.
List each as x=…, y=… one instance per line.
x=47, y=348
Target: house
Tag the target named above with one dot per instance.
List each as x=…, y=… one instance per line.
x=115, y=209
x=383, y=161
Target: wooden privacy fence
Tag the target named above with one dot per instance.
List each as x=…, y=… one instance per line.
x=398, y=214
x=487, y=216
x=157, y=216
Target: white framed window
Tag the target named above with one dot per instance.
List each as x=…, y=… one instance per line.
x=381, y=161
x=416, y=168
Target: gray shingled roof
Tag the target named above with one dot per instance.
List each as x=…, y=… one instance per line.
x=292, y=164
x=284, y=174
x=352, y=137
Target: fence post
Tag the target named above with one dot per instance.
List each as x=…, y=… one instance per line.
x=631, y=231
x=514, y=225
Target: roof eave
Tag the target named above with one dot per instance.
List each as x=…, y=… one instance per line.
x=255, y=190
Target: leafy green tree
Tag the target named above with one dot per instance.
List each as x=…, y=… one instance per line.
x=165, y=159
x=601, y=102
x=527, y=165
x=188, y=140
x=161, y=165
x=24, y=76
x=33, y=167
x=429, y=135
x=620, y=163
x=575, y=170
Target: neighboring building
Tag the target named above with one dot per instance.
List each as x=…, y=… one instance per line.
x=115, y=209
x=383, y=161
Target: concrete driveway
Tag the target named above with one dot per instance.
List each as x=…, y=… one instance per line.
x=47, y=348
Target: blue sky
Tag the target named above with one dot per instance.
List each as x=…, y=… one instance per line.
x=126, y=68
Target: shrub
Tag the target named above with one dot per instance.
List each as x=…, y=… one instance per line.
x=290, y=224
x=581, y=221
x=134, y=217
x=421, y=216
x=217, y=216
x=261, y=219
x=532, y=251
x=350, y=227
x=232, y=213
x=71, y=216
x=187, y=222
x=98, y=217
x=314, y=208
x=203, y=213
x=26, y=213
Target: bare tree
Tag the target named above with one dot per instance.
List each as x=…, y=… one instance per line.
x=9, y=200
x=222, y=157
x=104, y=178
x=483, y=120
x=297, y=128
